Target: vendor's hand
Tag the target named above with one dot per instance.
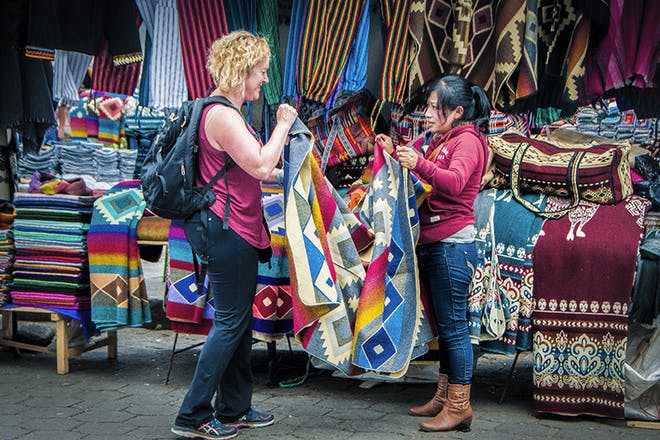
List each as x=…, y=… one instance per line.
x=386, y=142
x=286, y=115
x=407, y=157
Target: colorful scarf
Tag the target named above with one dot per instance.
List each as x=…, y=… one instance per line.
x=583, y=280
x=119, y=293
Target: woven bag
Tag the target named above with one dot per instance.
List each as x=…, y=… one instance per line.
x=597, y=173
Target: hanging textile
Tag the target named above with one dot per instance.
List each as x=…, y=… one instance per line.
x=118, y=290
x=164, y=82
x=355, y=73
x=26, y=84
x=241, y=14
x=326, y=40
x=515, y=232
x=107, y=77
x=69, y=72
x=298, y=13
x=527, y=84
x=446, y=36
x=268, y=27
x=395, y=19
x=495, y=66
x=580, y=323
x=200, y=24
x=82, y=26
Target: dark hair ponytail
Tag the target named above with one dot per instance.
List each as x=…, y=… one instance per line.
x=481, y=108
x=453, y=91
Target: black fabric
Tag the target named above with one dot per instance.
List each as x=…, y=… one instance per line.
x=26, y=84
x=82, y=25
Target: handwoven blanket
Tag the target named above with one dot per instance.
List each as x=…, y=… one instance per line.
x=390, y=324
x=516, y=231
x=118, y=290
x=272, y=309
x=328, y=280
x=325, y=267
x=584, y=275
x=192, y=312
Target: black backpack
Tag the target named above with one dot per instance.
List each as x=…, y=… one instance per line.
x=170, y=166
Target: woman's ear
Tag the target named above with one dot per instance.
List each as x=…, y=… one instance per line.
x=458, y=112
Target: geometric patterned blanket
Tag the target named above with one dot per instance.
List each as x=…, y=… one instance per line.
x=118, y=290
x=191, y=312
x=344, y=316
x=501, y=320
x=583, y=284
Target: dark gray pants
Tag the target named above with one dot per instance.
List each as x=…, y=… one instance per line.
x=224, y=366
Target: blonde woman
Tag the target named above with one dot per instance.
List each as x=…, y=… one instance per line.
x=219, y=400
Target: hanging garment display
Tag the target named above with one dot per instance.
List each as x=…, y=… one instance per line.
x=164, y=82
x=325, y=42
x=200, y=24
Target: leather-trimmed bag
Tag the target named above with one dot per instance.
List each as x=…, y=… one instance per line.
x=344, y=132
x=597, y=173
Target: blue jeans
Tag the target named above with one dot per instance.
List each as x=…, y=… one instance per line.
x=446, y=269
x=224, y=366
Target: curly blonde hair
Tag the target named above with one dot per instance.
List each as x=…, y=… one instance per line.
x=231, y=58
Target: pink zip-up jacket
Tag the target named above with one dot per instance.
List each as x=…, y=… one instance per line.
x=454, y=173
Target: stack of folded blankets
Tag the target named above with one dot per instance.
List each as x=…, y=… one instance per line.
x=44, y=160
x=51, y=269
x=588, y=119
x=7, y=214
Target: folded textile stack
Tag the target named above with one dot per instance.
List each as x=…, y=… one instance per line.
x=75, y=157
x=608, y=124
x=127, y=161
x=45, y=160
x=7, y=251
x=643, y=130
x=626, y=127
x=106, y=162
x=587, y=120
x=51, y=268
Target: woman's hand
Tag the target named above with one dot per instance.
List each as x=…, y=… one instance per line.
x=286, y=115
x=386, y=142
x=407, y=157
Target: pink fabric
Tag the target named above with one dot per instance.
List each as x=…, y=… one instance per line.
x=455, y=176
x=635, y=176
x=245, y=210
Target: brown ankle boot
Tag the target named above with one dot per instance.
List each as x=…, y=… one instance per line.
x=457, y=413
x=433, y=406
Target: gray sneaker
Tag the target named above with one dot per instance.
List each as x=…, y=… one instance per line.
x=253, y=419
x=212, y=429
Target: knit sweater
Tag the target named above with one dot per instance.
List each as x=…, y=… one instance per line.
x=454, y=173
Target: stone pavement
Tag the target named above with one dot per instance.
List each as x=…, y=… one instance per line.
x=127, y=398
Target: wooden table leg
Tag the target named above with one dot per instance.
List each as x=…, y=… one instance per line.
x=112, y=344
x=62, y=344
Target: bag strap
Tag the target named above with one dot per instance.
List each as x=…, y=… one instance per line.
x=571, y=180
